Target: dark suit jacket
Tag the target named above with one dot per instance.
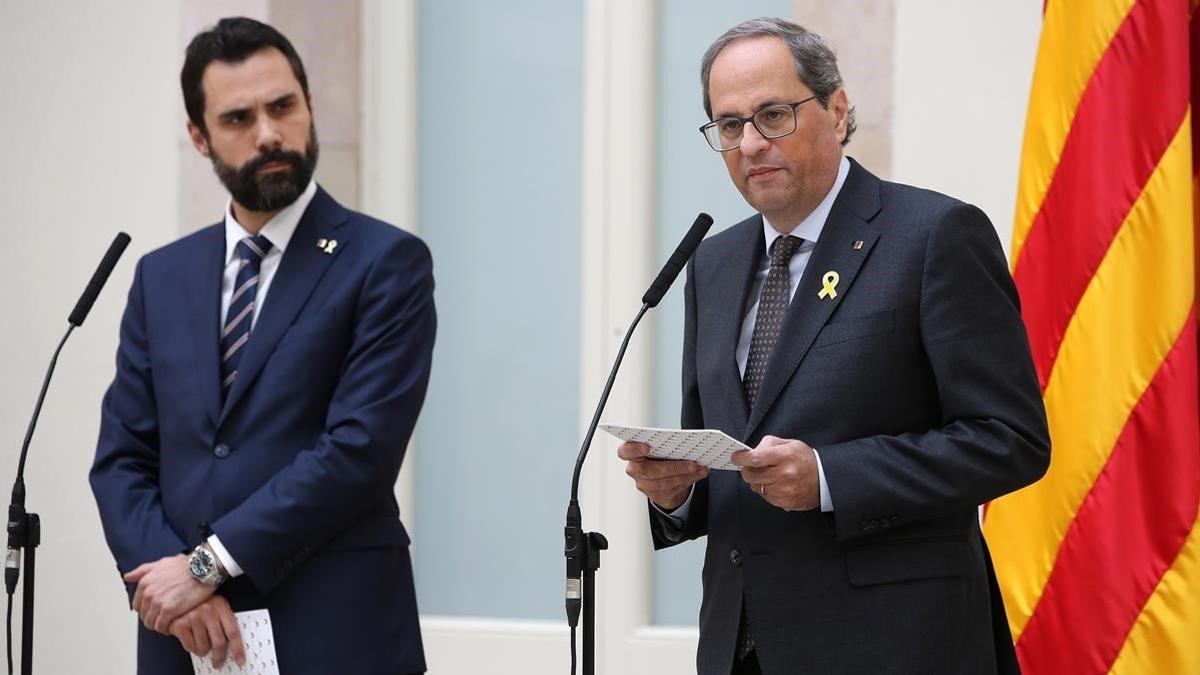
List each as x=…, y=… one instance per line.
x=916, y=386
x=295, y=471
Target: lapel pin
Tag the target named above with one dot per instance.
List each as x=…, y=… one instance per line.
x=858, y=245
x=327, y=245
x=829, y=284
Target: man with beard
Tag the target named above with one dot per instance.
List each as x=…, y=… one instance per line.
x=270, y=370
x=864, y=339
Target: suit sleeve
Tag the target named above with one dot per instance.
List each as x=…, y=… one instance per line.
x=663, y=530
x=991, y=437
x=124, y=475
x=354, y=463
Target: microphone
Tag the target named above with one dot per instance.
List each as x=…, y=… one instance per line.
x=677, y=260
x=98, y=279
x=582, y=549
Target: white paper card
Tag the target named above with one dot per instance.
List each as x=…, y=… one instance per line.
x=703, y=446
x=259, y=640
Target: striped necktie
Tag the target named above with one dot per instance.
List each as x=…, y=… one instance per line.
x=236, y=331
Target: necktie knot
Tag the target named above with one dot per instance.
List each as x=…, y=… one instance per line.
x=253, y=248
x=783, y=248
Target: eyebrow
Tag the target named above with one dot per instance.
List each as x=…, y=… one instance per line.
x=232, y=112
x=286, y=98
x=761, y=106
x=244, y=110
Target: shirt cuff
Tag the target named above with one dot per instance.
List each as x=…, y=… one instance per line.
x=222, y=554
x=826, y=502
x=679, y=515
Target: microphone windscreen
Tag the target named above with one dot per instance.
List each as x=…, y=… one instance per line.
x=678, y=259
x=98, y=279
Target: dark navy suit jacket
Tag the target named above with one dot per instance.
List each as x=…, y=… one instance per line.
x=295, y=470
x=916, y=386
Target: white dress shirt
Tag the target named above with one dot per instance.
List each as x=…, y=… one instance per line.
x=809, y=230
x=278, y=230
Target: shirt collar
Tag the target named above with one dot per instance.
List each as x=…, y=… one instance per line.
x=810, y=228
x=279, y=229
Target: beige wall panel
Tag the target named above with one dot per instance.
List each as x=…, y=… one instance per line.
x=862, y=35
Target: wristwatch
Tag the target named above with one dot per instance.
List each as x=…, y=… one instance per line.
x=205, y=568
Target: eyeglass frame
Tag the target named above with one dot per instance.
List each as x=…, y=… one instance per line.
x=750, y=119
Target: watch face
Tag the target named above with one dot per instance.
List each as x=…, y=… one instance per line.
x=200, y=564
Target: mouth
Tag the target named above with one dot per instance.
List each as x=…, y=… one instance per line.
x=761, y=172
x=274, y=166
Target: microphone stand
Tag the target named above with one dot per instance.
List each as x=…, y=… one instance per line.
x=582, y=549
x=25, y=534
x=25, y=529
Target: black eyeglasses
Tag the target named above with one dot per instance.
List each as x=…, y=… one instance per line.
x=773, y=121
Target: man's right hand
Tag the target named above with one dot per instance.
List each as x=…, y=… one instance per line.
x=211, y=626
x=666, y=482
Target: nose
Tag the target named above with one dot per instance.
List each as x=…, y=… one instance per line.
x=753, y=142
x=267, y=136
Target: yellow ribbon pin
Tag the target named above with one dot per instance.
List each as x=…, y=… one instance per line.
x=829, y=285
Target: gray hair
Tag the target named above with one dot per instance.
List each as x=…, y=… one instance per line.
x=816, y=64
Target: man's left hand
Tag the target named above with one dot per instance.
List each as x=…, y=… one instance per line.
x=783, y=472
x=166, y=591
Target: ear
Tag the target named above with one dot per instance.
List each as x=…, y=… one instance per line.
x=198, y=140
x=839, y=108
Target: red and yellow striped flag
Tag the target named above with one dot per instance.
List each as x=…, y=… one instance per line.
x=1099, y=562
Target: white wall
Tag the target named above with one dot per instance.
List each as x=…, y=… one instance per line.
x=87, y=127
x=963, y=71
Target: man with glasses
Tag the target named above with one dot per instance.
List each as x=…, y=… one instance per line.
x=865, y=339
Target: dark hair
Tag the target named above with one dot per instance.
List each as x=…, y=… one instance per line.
x=232, y=40
x=816, y=64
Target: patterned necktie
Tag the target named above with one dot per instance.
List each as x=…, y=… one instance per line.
x=772, y=308
x=236, y=332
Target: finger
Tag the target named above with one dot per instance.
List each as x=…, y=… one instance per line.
x=758, y=474
x=216, y=639
x=186, y=637
x=633, y=451
x=162, y=623
x=744, y=458
x=664, y=486
x=661, y=468
x=200, y=638
x=234, y=635
x=137, y=573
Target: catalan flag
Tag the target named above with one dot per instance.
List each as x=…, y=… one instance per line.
x=1099, y=562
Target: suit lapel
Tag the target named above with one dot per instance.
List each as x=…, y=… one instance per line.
x=302, y=266
x=736, y=278
x=204, y=304
x=855, y=205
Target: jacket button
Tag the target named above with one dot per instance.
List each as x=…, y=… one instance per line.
x=735, y=558
x=221, y=451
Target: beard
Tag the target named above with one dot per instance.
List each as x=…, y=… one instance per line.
x=274, y=190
